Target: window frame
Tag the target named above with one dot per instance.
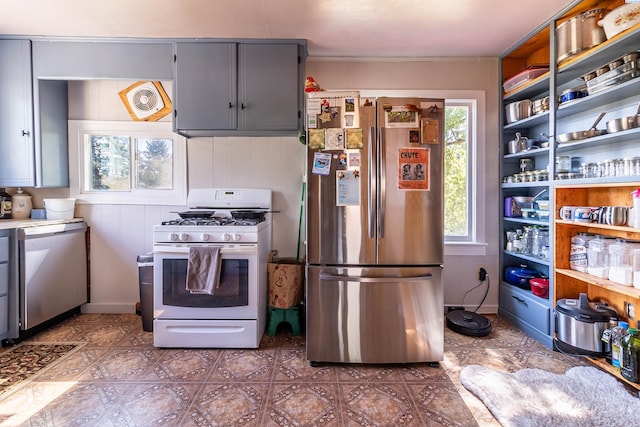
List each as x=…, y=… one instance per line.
x=78, y=129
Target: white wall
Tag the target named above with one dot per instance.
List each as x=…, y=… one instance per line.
x=119, y=233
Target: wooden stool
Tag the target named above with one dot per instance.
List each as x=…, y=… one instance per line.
x=279, y=315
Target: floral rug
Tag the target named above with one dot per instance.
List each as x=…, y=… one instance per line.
x=20, y=363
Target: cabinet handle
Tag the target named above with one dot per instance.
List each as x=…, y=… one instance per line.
x=25, y=133
x=230, y=105
x=520, y=300
x=242, y=106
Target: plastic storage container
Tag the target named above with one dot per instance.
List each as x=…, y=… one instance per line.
x=522, y=78
x=621, y=261
x=145, y=279
x=59, y=208
x=598, y=256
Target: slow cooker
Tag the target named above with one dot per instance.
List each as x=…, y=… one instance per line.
x=579, y=325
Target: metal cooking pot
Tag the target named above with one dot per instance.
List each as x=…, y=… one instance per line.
x=589, y=133
x=520, y=143
x=250, y=214
x=624, y=123
x=518, y=110
x=579, y=33
x=520, y=276
x=579, y=325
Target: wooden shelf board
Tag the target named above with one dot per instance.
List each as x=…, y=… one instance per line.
x=629, y=291
x=602, y=364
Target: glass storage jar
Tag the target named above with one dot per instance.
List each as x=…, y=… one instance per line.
x=540, y=240
x=578, y=251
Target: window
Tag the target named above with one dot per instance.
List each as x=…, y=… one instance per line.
x=457, y=170
x=127, y=163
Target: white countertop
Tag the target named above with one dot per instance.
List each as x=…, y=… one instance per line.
x=6, y=224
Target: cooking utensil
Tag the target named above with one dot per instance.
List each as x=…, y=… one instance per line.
x=520, y=143
x=579, y=135
x=250, y=214
x=624, y=123
x=620, y=19
x=518, y=110
x=580, y=323
x=579, y=33
x=195, y=214
x=540, y=287
x=520, y=276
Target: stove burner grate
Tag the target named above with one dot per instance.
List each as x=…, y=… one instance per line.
x=215, y=221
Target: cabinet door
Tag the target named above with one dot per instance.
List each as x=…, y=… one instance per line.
x=16, y=114
x=268, y=86
x=205, y=86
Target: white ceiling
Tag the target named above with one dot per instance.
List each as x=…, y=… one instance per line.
x=334, y=28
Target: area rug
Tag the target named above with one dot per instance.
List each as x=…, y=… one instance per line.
x=583, y=396
x=23, y=361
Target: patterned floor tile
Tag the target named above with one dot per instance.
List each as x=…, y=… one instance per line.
x=379, y=404
x=244, y=365
x=304, y=404
x=291, y=365
x=228, y=404
x=128, y=364
x=152, y=405
x=439, y=403
x=185, y=365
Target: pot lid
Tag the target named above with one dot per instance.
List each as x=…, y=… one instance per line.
x=582, y=309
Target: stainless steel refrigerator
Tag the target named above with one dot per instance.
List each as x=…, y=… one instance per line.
x=375, y=230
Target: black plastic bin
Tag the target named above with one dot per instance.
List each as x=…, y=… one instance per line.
x=145, y=279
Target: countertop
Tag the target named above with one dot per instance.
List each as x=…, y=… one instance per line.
x=7, y=224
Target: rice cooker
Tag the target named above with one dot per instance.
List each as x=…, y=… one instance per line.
x=579, y=326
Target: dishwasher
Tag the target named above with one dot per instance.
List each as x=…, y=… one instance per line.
x=52, y=271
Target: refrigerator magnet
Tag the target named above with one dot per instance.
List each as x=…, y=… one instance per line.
x=321, y=163
x=401, y=117
x=430, y=131
x=413, y=169
x=350, y=116
x=334, y=139
x=354, y=138
x=354, y=159
x=316, y=139
x=348, y=188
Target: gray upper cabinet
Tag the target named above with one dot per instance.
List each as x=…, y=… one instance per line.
x=16, y=114
x=33, y=135
x=224, y=88
x=95, y=59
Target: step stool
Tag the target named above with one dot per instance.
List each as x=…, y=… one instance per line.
x=279, y=315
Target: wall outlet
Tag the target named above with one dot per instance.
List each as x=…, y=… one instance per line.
x=630, y=310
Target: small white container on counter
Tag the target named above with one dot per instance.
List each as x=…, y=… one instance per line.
x=59, y=208
x=21, y=206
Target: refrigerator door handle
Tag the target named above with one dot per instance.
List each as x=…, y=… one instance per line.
x=383, y=184
x=341, y=277
x=372, y=187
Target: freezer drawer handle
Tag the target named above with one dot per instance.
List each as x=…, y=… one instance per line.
x=338, y=277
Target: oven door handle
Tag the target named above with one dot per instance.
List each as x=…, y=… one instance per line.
x=245, y=250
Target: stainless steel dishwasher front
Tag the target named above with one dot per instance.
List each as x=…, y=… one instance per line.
x=52, y=271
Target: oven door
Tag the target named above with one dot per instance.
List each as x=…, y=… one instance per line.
x=237, y=297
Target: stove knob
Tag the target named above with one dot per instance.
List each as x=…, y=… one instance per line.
x=236, y=237
x=184, y=237
x=173, y=237
x=205, y=237
x=226, y=237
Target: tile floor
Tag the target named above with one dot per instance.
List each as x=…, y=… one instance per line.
x=117, y=378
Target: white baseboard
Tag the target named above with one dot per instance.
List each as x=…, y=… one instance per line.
x=107, y=308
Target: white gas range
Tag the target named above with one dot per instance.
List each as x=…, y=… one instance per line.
x=234, y=316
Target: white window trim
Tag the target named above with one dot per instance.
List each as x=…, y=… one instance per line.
x=79, y=128
x=478, y=242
